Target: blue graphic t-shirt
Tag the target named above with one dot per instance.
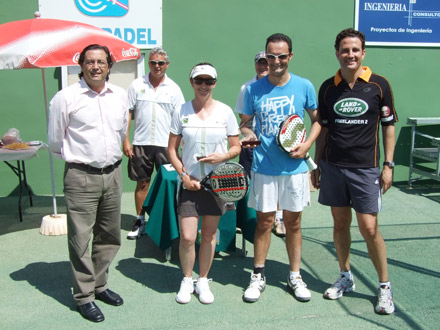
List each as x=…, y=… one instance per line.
x=273, y=104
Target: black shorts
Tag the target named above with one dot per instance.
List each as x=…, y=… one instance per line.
x=245, y=160
x=355, y=187
x=141, y=165
x=201, y=202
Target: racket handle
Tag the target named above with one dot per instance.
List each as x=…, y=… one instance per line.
x=310, y=163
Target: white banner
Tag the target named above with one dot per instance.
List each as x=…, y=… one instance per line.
x=138, y=22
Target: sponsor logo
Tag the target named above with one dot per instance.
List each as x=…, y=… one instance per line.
x=385, y=111
x=106, y=8
x=132, y=52
x=350, y=107
x=75, y=58
x=351, y=121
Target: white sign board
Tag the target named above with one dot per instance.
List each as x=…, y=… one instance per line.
x=138, y=22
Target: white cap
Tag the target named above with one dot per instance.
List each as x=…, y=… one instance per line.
x=203, y=69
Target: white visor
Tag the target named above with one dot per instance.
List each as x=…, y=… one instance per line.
x=201, y=70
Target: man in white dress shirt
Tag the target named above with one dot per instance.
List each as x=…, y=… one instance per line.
x=152, y=99
x=87, y=124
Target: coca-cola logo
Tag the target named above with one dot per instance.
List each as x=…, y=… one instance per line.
x=132, y=52
x=75, y=58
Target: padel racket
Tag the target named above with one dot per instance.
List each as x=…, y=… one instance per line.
x=292, y=132
x=228, y=181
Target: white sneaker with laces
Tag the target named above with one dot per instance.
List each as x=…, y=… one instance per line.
x=341, y=286
x=385, y=303
x=185, y=291
x=256, y=286
x=299, y=288
x=137, y=230
x=202, y=289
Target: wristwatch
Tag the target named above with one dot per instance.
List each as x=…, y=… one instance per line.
x=389, y=164
x=181, y=175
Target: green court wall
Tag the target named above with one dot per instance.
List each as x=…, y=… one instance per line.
x=228, y=34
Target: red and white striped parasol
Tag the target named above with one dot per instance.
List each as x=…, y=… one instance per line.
x=45, y=43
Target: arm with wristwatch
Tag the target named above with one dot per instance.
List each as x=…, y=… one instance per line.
x=386, y=177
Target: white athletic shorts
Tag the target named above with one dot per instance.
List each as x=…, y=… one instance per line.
x=291, y=192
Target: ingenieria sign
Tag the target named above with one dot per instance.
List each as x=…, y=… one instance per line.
x=399, y=22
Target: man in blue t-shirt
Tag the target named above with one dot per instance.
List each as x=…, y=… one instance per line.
x=277, y=176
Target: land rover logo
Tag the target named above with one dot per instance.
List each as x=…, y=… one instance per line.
x=350, y=107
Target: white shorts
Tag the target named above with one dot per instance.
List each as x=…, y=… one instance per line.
x=290, y=192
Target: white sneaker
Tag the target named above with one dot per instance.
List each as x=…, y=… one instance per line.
x=256, y=286
x=299, y=288
x=137, y=230
x=202, y=289
x=385, y=304
x=185, y=291
x=342, y=285
x=278, y=227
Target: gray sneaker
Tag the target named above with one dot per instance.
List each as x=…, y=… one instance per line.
x=385, y=303
x=256, y=286
x=342, y=285
x=137, y=230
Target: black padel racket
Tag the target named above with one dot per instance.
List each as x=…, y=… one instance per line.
x=228, y=181
x=292, y=132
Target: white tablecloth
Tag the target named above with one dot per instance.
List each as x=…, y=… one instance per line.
x=22, y=154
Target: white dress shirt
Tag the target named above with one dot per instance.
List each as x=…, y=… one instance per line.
x=87, y=127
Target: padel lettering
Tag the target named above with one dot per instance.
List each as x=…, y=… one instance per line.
x=141, y=36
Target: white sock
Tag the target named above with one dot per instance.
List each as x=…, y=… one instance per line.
x=294, y=274
x=141, y=217
x=386, y=284
x=347, y=274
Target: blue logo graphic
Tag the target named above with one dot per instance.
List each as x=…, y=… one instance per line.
x=107, y=8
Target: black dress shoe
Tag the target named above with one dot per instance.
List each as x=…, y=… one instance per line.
x=109, y=297
x=91, y=312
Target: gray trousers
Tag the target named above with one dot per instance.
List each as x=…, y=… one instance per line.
x=93, y=215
